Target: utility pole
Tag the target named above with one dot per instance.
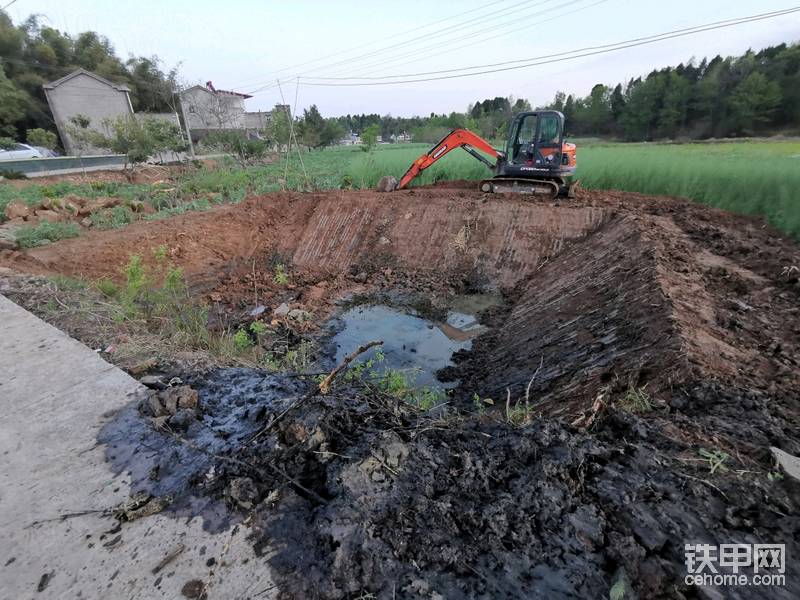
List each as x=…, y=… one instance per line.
x=186, y=126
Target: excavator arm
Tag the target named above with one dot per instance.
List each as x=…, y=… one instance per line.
x=458, y=138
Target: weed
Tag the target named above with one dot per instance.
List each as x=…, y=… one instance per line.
x=258, y=327
x=775, y=476
x=396, y=383
x=281, y=277
x=636, y=400
x=45, y=232
x=520, y=414
x=64, y=283
x=716, y=459
x=160, y=252
x=480, y=404
x=112, y=218
x=242, y=340
x=108, y=288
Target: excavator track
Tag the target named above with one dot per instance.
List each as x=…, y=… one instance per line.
x=516, y=185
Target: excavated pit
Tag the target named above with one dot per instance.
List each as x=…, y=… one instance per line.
x=601, y=296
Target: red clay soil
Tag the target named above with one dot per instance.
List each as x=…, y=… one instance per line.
x=608, y=289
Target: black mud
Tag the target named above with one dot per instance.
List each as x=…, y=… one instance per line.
x=354, y=494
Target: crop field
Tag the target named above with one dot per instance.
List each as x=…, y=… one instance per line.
x=749, y=177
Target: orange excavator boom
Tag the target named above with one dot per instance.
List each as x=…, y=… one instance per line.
x=457, y=138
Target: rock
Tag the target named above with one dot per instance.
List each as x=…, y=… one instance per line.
x=155, y=382
x=187, y=397
x=387, y=183
x=243, y=491
x=382, y=241
x=789, y=463
x=282, y=310
x=361, y=277
x=109, y=202
x=298, y=314
x=155, y=407
x=48, y=215
x=8, y=244
x=86, y=222
x=258, y=310
x=182, y=419
x=17, y=210
x=387, y=272
x=174, y=398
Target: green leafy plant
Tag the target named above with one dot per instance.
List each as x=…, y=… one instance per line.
x=30, y=236
x=716, y=459
x=280, y=277
x=41, y=137
x=258, y=327
x=160, y=252
x=242, y=340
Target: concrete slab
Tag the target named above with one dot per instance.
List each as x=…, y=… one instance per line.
x=55, y=397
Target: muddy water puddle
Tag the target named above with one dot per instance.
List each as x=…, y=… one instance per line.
x=412, y=343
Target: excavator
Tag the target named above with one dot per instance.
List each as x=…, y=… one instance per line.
x=536, y=159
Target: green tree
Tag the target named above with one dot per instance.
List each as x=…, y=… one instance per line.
x=617, y=103
x=41, y=137
x=244, y=150
x=311, y=126
x=598, y=110
x=369, y=138
x=331, y=133
x=12, y=105
x=754, y=101
x=138, y=140
x=672, y=116
x=278, y=131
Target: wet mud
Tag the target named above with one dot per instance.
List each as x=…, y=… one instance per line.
x=621, y=402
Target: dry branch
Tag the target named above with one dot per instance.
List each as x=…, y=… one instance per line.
x=325, y=385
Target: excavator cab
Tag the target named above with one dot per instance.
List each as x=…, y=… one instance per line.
x=535, y=139
x=537, y=160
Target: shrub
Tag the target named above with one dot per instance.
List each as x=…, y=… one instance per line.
x=41, y=137
x=38, y=235
x=112, y=218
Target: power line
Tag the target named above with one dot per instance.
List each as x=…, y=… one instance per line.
x=364, y=45
x=425, y=54
x=735, y=21
x=479, y=21
x=7, y=5
x=531, y=62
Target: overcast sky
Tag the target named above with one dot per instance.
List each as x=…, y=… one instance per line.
x=245, y=44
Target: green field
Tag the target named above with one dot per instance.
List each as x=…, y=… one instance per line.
x=751, y=177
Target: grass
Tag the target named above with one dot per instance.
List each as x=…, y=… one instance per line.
x=30, y=236
x=636, y=400
x=749, y=177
